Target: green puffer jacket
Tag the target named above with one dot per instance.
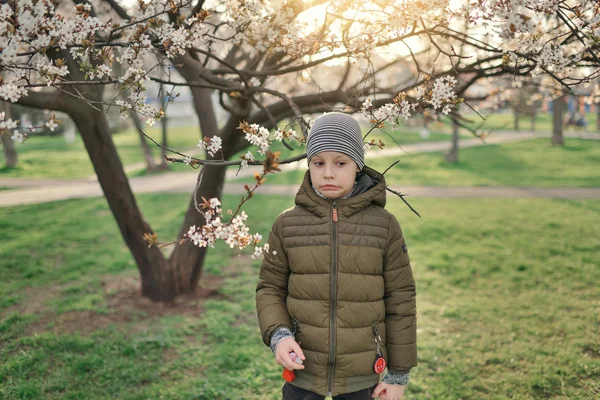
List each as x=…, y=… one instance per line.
x=337, y=272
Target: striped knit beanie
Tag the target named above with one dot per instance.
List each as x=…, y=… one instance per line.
x=336, y=132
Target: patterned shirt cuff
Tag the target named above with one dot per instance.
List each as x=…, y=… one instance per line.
x=397, y=377
x=278, y=335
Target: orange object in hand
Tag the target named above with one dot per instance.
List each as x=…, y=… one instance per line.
x=289, y=374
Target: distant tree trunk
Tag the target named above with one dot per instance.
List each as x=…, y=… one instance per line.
x=558, y=110
x=452, y=155
x=533, y=122
x=163, y=160
x=516, y=119
x=150, y=165
x=10, y=153
x=597, y=105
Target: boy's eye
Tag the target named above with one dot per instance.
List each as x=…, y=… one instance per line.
x=341, y=163
x=318, y=163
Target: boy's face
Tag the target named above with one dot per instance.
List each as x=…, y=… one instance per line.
x=332, y=173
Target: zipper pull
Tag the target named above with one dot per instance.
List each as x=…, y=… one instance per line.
x=335, y=216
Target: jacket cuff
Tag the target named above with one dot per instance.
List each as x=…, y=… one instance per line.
x=397, y=377
x=278, y=335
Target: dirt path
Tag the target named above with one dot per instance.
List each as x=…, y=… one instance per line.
x=34, y=191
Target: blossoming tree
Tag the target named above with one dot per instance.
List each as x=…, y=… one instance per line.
x=268, y=62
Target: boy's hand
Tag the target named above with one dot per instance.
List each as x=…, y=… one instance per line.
x=282, y=354
x=387, y=391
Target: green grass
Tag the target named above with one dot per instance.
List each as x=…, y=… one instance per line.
x=53, y=157
x=505, y=121
x=529, y=163
x=507, y=303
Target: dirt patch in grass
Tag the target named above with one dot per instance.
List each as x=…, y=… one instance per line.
x=592, y=350
x=124, y=297
x=124, y=305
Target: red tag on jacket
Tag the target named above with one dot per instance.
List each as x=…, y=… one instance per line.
x=379, y=365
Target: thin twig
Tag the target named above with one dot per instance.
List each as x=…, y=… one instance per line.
x=388, y=168
x=403, y=199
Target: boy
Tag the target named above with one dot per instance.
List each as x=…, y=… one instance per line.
x=338, y=280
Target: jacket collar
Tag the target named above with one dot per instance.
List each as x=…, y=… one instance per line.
x=307, y=198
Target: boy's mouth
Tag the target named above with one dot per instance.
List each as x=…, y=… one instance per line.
x=329, y=187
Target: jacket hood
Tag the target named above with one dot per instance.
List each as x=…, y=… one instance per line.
x=370, y=188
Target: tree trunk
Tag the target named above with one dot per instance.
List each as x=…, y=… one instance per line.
x=163, y=160
x=150, y=165
x=188, y=260
x=156, y=276
x=597, y=105
x=10, y=153
x=533, y=122
x=516, y=119
x=558, y=110
x=452, y=155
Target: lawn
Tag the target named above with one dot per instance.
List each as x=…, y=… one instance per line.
x=505, y=121
x=507, y=305
x=527, y=163
x=54, y=157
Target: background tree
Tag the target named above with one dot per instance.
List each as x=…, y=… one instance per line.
x=10, y=154
x=559, y=106
x=524, y=98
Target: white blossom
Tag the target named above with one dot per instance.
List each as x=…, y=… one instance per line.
x=443, y=91
x=367, y=105
x=212, y=145
x=51, y=124
x=246, y=158
x=259, y=136
x=7, y=124
x=45, y=67
x=18, y=137
x=12, y=92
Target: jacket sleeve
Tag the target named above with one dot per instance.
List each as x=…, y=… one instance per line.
x=400, y=302
x=271, y=291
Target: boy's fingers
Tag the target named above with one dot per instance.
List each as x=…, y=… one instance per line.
x=286, y=362
x=278, y=360
x=292, y=365
x=296, y=348
x=378, y=390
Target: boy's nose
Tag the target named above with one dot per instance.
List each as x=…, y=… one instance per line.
x=328, y=173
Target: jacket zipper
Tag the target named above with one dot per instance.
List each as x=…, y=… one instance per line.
x=333, y=298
